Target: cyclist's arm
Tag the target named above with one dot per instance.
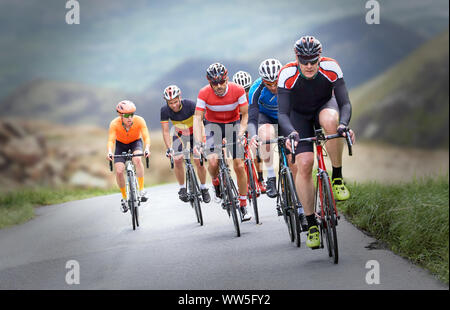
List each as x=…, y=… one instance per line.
x=253, y=110
x=243, y=109
x=198, y=125
x=284, y=110
x=166, y=134
x=145, y=135
x=343, y=101
x=111, y=138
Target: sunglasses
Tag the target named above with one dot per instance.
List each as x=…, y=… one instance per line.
x=270, y=84
x=306, y=62
x=127, y=115
x=215, y=83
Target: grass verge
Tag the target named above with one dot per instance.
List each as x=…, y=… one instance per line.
x=411, y=218
x=17, y=207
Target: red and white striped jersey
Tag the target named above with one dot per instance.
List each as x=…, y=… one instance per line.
x=222, y=109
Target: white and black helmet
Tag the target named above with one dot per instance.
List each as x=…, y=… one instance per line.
x=269, y=69
x=243, y=78
x=171, y=92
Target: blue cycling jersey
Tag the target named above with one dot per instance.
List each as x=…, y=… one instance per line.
x=267, y=102
x=261, y=100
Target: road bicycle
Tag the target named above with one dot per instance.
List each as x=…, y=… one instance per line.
x=193, y=188
x=133, y=198
x=229, y=192
x=324, y=203
x=288, y=204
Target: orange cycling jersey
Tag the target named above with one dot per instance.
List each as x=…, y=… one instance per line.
x=137, y=130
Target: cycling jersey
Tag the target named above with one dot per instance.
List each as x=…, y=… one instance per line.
x=307, y=96
x=261, y=100
x=183, y=120
x=222, y=109
x=137, y=130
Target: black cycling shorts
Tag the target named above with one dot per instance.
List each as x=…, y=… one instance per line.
x=305, y=124
x=215, y=132
x=182, y=141
x=122, y=147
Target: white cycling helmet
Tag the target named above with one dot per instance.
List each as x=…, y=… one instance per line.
x=269, y=69
x=242, y=78
x=171, y=91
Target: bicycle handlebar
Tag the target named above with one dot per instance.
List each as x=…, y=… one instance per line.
x=202, y=157
x=128, y=156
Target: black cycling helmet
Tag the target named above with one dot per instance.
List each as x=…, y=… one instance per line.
x=308, y=48
x=216, y=73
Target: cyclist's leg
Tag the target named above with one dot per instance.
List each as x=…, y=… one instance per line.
x=136, y=148
x=304, y=161
x=177, y=145
x=119, y=167
x=266, y=132
x=329, y=120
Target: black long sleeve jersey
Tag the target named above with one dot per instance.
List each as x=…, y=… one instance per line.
x=306, y=96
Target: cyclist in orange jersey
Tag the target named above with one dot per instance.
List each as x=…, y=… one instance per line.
x=126, y=131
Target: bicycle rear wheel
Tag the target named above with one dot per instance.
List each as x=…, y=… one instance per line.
x=330, y=219
x=252, y=187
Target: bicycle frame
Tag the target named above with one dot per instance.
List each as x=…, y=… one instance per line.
x=322, y=175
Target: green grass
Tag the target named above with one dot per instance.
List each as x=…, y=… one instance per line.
x=411, y=218
x=17, y=207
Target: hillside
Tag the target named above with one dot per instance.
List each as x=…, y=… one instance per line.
x=408, y=104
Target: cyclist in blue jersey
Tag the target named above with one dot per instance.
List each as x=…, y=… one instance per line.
x=263, y=116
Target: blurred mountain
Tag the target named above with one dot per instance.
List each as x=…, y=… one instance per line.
x=130, y=44
x=363, y=51
x=63, y=102
x=408, y=105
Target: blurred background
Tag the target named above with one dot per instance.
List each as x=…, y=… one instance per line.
x=59, y=83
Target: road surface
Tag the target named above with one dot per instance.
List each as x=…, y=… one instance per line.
x=171, y=251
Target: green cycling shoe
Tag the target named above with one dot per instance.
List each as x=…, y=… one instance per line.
x=340, y=190
x=313, y=240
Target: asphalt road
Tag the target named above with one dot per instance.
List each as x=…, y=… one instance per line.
x=171, y=251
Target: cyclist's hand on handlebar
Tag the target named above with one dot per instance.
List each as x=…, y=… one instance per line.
x=147, y=152
x=343, y=130
x=169, y=152
x=296, y=138
x=254, y=142
x=110, y=156
x=198, y=148
x=242, y=140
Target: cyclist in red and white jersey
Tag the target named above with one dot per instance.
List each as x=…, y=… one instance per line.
x=222, y=103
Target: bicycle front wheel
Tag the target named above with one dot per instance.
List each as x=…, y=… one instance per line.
x=284, y=201
x=195, y=191
x=231, y=201
x=132, y=201
x=330, y=219
x=293, y=203
x=252, y=189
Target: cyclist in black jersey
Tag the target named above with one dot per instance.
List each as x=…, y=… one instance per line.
x=312, y=93
x=181, y=113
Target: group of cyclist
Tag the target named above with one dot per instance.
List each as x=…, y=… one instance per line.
x=289, y=100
